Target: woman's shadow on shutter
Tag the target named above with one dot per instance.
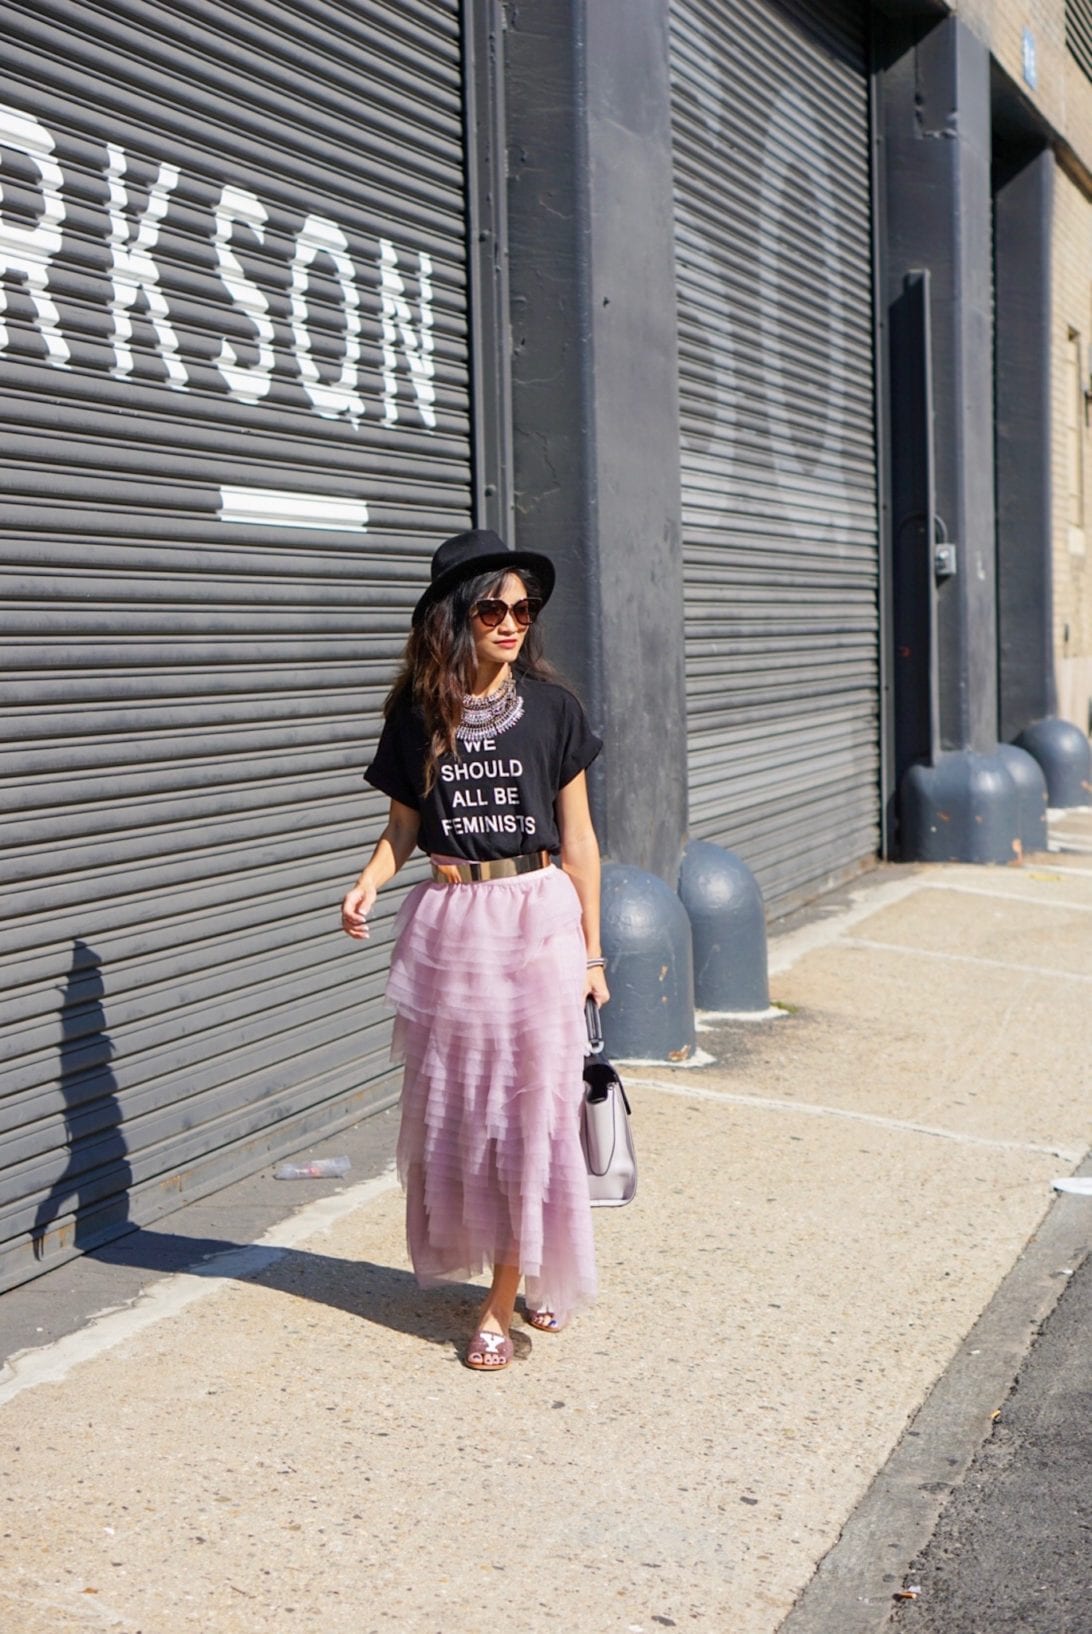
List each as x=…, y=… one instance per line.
x=88, y=1202
x=87, y=1206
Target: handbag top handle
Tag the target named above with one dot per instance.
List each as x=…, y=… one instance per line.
x=594, y=1025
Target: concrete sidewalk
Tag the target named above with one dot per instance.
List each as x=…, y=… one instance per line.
x=287, y=1440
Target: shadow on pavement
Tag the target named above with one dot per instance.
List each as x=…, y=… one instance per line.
x=383, y=1294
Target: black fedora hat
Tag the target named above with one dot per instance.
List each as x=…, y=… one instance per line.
x=478, y=551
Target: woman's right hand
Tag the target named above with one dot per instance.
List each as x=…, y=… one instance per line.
x=355, y=909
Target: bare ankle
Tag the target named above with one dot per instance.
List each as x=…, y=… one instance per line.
x=494, y=1321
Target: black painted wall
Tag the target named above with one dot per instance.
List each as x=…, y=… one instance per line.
x=1024, y=196
x=595, y=388
x=935, y=119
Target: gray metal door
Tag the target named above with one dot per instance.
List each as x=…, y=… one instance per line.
x=235, y=421
x=774, y=258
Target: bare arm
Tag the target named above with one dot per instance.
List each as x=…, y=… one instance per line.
x=395, y=846
x=580, y=860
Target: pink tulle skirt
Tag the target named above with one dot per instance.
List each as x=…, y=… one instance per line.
x=487, y=981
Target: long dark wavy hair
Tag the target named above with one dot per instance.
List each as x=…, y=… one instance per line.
x=438, y=665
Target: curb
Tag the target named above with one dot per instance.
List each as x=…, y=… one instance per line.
x=853, y=1586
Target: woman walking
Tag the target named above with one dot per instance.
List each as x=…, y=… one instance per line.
x=483, y=755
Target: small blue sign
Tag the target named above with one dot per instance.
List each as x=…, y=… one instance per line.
x=1031, y=72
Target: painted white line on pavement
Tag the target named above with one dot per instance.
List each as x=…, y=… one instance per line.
x=51, y=1363
x=1035, y=868
x=786, y=950
x=969, y=959
x=811, y=1109
x=1009, y=896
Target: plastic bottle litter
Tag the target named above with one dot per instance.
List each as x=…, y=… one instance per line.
x=319, y=1168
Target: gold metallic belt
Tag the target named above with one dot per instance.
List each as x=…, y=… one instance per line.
x=464, y=873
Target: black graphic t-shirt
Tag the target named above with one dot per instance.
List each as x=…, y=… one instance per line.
x=495, y=798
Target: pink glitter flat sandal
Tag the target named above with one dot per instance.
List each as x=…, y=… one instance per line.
x=488, y=1352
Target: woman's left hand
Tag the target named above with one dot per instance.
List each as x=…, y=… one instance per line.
x=596, y=985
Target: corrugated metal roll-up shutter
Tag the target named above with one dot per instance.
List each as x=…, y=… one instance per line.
x=234, y=401
x=780, y=531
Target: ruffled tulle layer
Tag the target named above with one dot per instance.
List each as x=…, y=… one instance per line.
x=487, y=982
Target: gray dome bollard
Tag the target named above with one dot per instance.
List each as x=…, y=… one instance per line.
x=1031, y=795
x=962, y=809
x=728, y=929
x=646, y=942
x=1065, y=755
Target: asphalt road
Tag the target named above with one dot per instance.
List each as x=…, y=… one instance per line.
x=1012, y=1553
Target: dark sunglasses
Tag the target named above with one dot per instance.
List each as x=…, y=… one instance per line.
x=492, y=611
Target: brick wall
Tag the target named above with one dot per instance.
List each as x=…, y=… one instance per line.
x=1072, y=449
x=1063, y=92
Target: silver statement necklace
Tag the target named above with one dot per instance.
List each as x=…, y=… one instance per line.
x=489, y=716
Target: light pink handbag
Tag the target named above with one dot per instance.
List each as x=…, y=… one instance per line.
x=605, y=1132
